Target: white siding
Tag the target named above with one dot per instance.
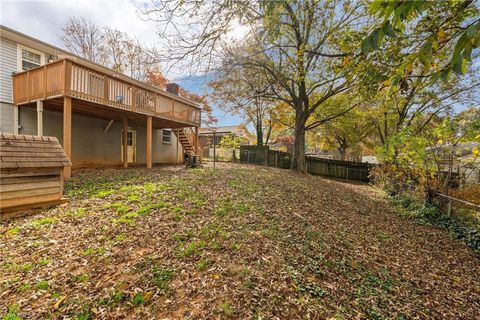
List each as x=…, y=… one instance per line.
x=6, y=117
x=8, y=64
x=8, y=60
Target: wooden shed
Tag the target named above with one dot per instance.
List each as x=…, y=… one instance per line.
x=31, y=172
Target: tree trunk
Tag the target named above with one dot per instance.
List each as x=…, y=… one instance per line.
x=259, y=134
x=298, y=161
x=343, y=152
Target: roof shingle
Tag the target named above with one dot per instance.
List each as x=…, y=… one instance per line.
x=24, y=151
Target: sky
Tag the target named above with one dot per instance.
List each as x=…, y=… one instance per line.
x=44, y=19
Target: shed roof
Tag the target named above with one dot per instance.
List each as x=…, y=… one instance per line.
x=25, y=151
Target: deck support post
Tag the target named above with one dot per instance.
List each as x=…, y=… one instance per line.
x=178, y=145
x=15, y=119
x=196, y=141
x=124, y=142
x=39, y=118
x=67, y=133
x=149, y=141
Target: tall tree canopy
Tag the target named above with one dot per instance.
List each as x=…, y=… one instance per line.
x=301, y=49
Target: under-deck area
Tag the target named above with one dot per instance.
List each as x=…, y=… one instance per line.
x=90, y=102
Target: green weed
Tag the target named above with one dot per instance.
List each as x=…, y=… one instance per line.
x=42, y=285
x=12, y=231
x=83, y=277
x=202, y=265
x=138, y=299
x=162, y=276
x=104, y=193
x=120, y=237
x=192, y=248
x=12, y=313
x=226, y=309
x=43, y=222
x=43, y=261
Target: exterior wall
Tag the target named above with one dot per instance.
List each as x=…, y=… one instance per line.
x=6, y=117
x=8, y=64
x=90, y=145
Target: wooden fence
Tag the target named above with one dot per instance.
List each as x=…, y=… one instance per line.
x=346, y=170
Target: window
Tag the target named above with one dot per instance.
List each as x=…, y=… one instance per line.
x=29, y=58
x=166, y=136
x=129, y=138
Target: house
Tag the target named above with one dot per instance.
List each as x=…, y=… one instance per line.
x=460, y=160
x=94, y=111
x=212, y=136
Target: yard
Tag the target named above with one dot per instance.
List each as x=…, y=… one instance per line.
x=238, y=242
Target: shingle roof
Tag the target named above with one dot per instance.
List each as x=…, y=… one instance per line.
x=24, y=151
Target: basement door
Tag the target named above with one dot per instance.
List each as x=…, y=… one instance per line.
x=131, y=145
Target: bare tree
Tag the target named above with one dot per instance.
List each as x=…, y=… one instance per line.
x=110, y=47
x=84, y=38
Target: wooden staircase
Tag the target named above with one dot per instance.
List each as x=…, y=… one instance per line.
x=185, y=141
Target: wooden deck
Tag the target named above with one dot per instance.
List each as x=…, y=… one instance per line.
x=69, y=86
x=79, y=80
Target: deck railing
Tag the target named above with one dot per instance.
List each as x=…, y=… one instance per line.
x=70, y=78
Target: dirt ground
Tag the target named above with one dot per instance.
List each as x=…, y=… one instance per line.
x=240, y=242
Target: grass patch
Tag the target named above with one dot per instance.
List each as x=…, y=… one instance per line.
x=192, y=248
x=162, y=276
x=12, y=231
x=119, y=207
x=120, y=237
x=226, y=309
x=43, y=222
x=93, y=251
x=42, y=285
x=104, y=193
x=202, y=265
x=138, y=299
x=83, y=277
x=12, y=313
x=43, y=261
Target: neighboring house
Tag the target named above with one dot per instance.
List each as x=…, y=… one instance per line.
x=94, y=111
x=210, y=136
x=465, y=163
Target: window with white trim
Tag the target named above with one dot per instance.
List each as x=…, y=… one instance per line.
x=166, y=136
x=30, y=59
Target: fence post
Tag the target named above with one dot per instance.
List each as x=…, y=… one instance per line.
x=276, y=159
x=248, y=156
x=348, y=169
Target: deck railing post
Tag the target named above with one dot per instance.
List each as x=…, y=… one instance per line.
x=134, y=98
x=44, y=82
x=67, y=74
x=105, y=90
x=29, y=87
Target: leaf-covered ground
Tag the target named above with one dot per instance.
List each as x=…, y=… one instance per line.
x=239, y=242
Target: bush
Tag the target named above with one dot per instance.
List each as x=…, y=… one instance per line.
x=461, y=226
